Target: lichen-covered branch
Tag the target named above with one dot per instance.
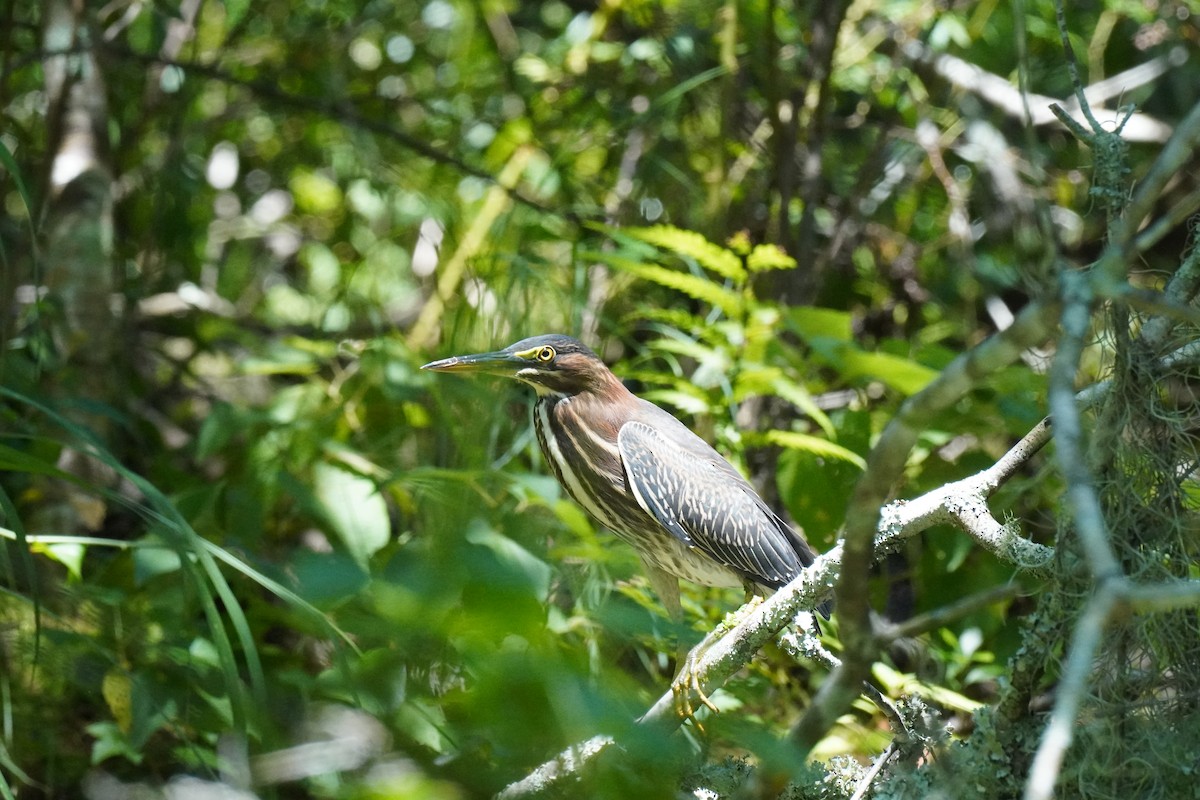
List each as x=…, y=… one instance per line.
x=1111, y=590
x=962, y=504
x=725, y=650
x=565, y=765
x=885, y=467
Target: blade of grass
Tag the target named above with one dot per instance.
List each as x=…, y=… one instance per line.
x=206, y=578
x=10, y=514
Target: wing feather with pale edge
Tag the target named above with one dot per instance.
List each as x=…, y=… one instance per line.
x=700, y=503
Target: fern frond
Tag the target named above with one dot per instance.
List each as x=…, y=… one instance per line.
x=696, y=287
x=768, y=256
x=795, y=440
x=692, y=245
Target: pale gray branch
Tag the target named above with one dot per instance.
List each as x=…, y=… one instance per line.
x=1111, y=597
x=885, y=469
x=1001, y=93
x=962, y=503
x=725, y=650
x=566, y=764
x=1112, y=591
x=1082, y=500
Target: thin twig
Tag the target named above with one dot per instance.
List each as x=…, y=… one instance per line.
x=1182, y=209
x=864, y=783
x=941, y=617
x=1073, y=67
x=802, y=645
x=1177, y=153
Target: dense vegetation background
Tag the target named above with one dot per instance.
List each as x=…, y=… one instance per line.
x=248, y=543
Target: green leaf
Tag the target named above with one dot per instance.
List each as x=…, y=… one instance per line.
x=821, y=323
x=683, y=401
x=110, y=741
x=150, y=561
x=769, y=256
x=282, y=361
x=327, y=578
x=692, y=245
x=69, y=554
x=795, y=440
x=535, y=572
x=677, y=91
x=14, y=460
x=900, y=373
x=761, y=380
x=681, y=345
x=149, y=714
x=234, y=11
x=315, y=193
x=702, y=289
x=355, y=509
x=425, y=724
x=900, y=684
x=829, y=334
x=948, y=31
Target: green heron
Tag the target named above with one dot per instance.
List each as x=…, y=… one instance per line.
x=641, y=473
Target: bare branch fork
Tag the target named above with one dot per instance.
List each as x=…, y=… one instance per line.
x=885, y=469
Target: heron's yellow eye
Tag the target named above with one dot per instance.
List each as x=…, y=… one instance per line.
x=546, y=354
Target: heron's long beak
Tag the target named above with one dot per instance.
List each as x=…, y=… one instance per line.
x=497, y=363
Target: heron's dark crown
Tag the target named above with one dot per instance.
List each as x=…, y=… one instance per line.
x=562, y=365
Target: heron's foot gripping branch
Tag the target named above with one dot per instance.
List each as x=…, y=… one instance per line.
x=688, y=684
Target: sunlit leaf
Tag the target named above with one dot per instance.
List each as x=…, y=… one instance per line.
x=692, y=245
x=815, y=445
x=425, y=724
x=900, y=373
x=769, y=256
x=688, y=403
x=315, y=193
x=898, y=684
x=68, y=554
x=812, y=322
x=117, y=689
x=235, y=10
x=772, y=381
x=355, y=508
x=693, y=286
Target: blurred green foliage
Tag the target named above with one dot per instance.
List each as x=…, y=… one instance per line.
x=314, y=198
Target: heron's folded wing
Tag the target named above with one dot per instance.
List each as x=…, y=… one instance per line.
x=696, y=500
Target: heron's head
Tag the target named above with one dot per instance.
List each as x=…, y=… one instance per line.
x=552, y=364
